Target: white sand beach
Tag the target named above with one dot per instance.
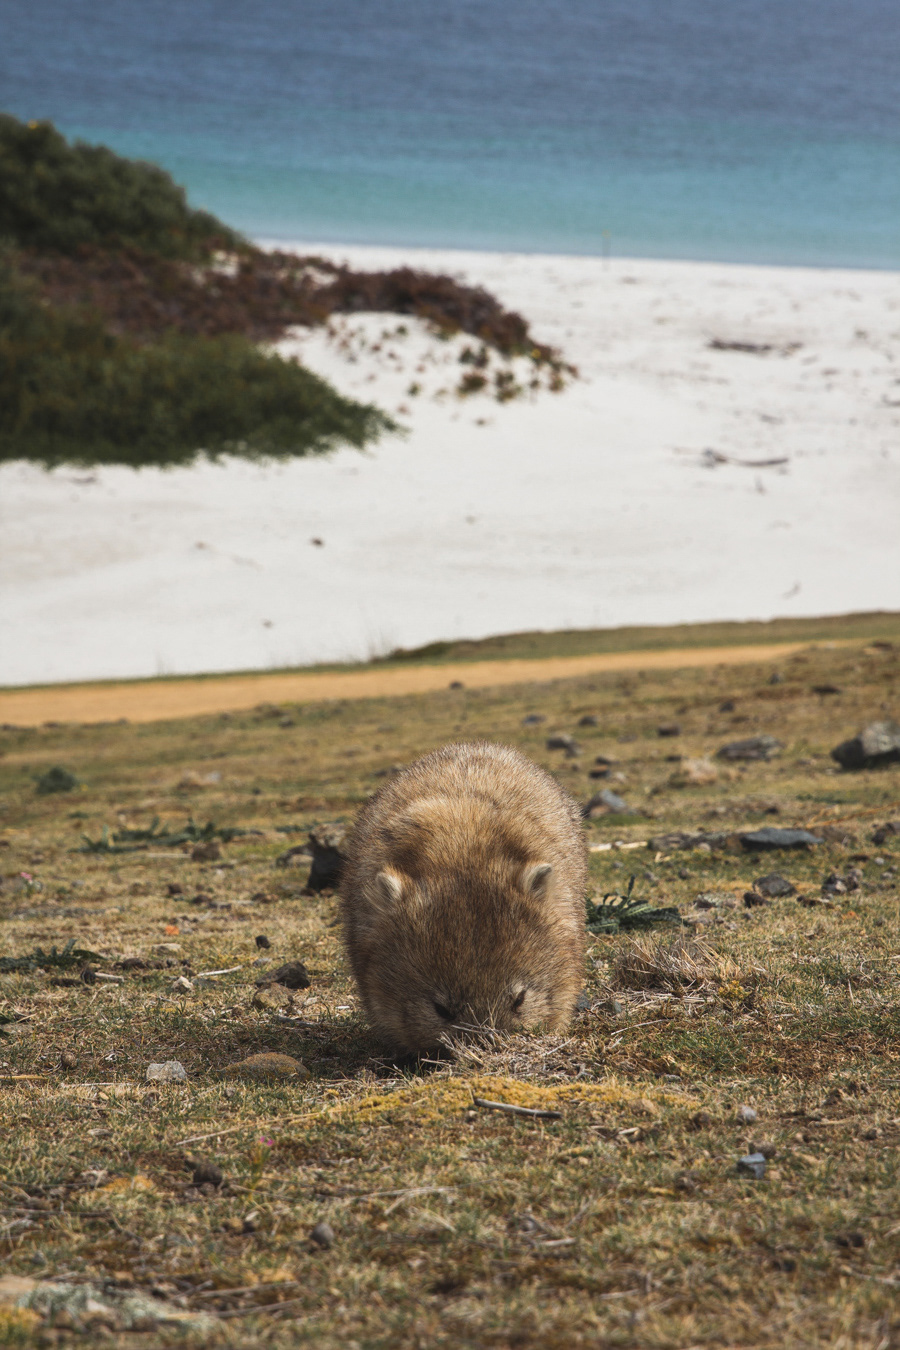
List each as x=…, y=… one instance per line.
x=631, y=497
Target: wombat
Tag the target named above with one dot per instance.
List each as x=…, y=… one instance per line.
x=463, y=898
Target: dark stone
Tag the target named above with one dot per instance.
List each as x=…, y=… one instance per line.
x=884, y=832
x=322, y=1235
x=605, y=801
x=293, y=976
x=752, y=1165
x=207, y=1174
x=263, y=942
x=774, y=885
x=826, y=689
x=589, y=720
x=56, y=780
x=208, y=852
x=668, y=729
x=751, y=748
x=327, y=845
x=602, y=772
x=533, y=720
x=770, y=837
x=751, y=898
x=876, y=745
x=457, y=684
x=727, y=706
x=563, y=742
x=680, y=839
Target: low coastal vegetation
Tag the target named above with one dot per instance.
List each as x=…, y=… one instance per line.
x=130, y=323
x=707, y=1157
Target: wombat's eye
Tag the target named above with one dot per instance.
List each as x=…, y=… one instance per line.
x=443, y=1012
x=518, y=1001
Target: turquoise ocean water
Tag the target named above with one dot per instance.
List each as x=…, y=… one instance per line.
x=741, y=130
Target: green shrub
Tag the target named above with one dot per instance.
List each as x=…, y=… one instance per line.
x=71, y=392
x=56, y=196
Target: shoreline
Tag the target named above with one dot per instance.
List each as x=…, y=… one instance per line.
x=672, y=482
x=330, y=247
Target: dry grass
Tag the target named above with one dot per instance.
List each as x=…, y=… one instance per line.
x=678, y=965
x=624, y=1222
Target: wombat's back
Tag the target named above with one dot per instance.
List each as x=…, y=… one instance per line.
x=463, y=896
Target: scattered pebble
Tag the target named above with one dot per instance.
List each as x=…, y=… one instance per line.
x=322, y=1235
x=182, y=985
x=207, y=1173
x=272, y=997
x=752, y=1165
x=747, y=1115
x=564, y=742
x=170, y=1071
x=774, y=885
x=293, y=975
x=751, y=748
x=263, y=942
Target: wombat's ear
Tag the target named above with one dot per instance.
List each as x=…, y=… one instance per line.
x=537, y=880
x=388, y=889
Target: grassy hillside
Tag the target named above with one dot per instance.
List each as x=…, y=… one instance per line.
x=621, y=1220
x=128, y=320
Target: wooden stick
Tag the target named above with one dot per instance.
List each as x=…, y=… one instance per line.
x=529, y=1111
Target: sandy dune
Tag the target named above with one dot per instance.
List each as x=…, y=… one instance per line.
x=598, y=506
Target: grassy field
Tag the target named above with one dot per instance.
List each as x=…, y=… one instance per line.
x=624, y=1221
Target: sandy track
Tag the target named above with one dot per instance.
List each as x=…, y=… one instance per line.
x=154, y=701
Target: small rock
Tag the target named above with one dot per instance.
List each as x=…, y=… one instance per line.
x=752, y=1165
x=770, y=837
x=751, y=748
x=327, y=843
x=272, y=998
x=170, y=1071
x=774, y=885
x=182, y=985
x=876, y=745
x=668, y=729
x=206, y=1173
x=68, y=1060
x=563, y=742
x=776, y=677
x=56, y=779
x=727, y=705
x=533, y=720
x=457, y=684
x=767, y=1149
x=263, y=942
x=827, y=689
x=884, y=832
x=694, y=773
x=604, y=803
x=589, y=720
x=700, y=1120
x=747, y=1114
x=208, y=852
x=753, y=898
x=166, y=949
x=852, y=1240
x=322, y=1235
x=294, y=975
x=266, y=1068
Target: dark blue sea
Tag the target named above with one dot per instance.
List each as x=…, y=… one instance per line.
x=740, y=130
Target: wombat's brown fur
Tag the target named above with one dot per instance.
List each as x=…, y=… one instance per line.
x=463, y=898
